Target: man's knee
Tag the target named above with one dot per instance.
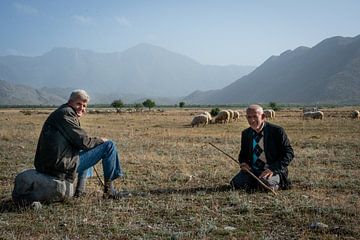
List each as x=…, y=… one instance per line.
x=110, y=145
x=235, y=185
x=239, y=181
x=273, y=181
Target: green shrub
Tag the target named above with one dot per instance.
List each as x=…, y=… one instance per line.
x=214, y=111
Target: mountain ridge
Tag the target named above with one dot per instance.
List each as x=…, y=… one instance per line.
x=144, y=69
x=329, y=72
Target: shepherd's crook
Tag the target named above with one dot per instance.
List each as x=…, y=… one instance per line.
x=246, y=170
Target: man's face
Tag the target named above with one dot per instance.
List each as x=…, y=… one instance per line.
x=255, y=119
x=79, y=105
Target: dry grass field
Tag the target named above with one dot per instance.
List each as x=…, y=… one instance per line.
x=186, y=181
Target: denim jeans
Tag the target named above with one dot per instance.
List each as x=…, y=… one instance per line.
x=110, y=161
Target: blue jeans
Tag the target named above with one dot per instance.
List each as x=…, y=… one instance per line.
x=110, y=161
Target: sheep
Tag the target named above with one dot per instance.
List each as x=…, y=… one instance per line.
x=268, y=113
x=208, y=115
x=241, y=113
x=222, y=117
x=310, y=109
x=231, y=112
x=273, y=113
x=313, y=115
x=200, y=119
x=355, y=114
x=236, y=115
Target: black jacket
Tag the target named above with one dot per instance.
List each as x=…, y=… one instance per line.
x=60, y=142
x=277, y=148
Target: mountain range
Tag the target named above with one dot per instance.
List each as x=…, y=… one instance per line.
x=18, y=94
x=143, y=70
x=329, y=72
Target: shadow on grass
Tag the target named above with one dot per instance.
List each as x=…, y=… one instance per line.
x=193, y=190
x=221, y=188
x=7, y=205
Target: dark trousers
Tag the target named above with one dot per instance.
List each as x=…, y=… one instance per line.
x=243, y=180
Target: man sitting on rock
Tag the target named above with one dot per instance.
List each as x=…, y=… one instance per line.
x=64, y=148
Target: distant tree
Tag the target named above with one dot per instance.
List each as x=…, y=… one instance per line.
x=138, y=106
x=117, y=104
x=274, y=106
x=181, y=104
x=214, y=111
x=149, y=103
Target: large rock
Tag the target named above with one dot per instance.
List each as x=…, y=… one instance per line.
x=32, y=186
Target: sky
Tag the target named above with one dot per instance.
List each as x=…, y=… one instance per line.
x=217, y=32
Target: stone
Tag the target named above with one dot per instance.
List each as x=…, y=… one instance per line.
x=318, y=226
x=31, y=186
x=36, y=206
x=229, y=228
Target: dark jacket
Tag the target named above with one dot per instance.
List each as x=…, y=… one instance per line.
x=277, y=148
x=60, y=142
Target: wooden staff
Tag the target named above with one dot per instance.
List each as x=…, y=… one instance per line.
x=98, y=176
x=247, y=170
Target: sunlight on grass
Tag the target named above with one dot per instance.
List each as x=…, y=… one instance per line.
x=182, y=175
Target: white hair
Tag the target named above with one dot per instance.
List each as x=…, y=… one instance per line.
x=256, y=108
x=79, y=94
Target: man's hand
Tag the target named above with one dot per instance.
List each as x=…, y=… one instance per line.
x=104, y=139
x=266, y=174
x=244, y=167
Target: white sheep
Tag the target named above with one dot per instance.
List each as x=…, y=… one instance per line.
x=231, y=112
x=273, y=113
x=313, y=115
x=268, y=113
x=236, y=115
x=222, y=117
x=208, y=115
x=200, y=119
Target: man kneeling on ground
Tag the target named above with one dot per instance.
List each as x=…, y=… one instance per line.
x=265, y=151
x=64, y=148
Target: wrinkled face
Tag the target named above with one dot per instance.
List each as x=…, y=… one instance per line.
x=79, y=105
x=255, y=119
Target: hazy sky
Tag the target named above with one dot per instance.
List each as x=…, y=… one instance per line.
x=211, y=32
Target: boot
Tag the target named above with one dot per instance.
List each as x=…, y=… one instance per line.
x=111, y=193
x=80, y=187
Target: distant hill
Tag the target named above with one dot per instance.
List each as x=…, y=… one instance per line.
x=145, y=70
x=16, y=94
x=326, y=73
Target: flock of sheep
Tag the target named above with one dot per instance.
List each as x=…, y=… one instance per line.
x=226, y=116
x=316, y=114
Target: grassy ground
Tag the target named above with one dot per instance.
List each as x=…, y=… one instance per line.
x=187, y=181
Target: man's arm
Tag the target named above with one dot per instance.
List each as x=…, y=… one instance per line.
x=70, y=128
x=243, y=155
x=286, y=152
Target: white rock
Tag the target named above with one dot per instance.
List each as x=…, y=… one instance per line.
x=229, y=228
x=318, y=225
x=36, y=206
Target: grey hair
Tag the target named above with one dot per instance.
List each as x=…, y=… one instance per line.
x=256, y=108
x=79, y=94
